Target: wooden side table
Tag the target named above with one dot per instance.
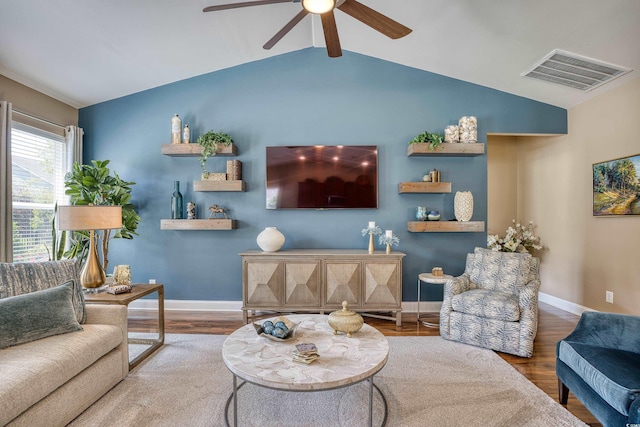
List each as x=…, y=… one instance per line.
x=139, y=290
x=435, y=280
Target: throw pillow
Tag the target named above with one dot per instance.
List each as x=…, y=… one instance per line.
x=21, y=278
x=35, y=315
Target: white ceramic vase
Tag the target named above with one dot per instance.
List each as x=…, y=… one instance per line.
x=270, y=239
x=463, y=205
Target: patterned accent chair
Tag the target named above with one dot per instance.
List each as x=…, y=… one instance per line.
x=494, y=303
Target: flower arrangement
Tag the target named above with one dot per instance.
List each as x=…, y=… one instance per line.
x=371, y=230
x=519, y=238
x=375, y=230
x=388, y=240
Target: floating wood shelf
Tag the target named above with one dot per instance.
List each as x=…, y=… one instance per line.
x=445, y=149
x=194, y=150
x=198, y=224
x=219, y=186
x=445, y=226
x=424, y=187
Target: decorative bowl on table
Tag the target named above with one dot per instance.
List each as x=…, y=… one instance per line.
x=277, y=329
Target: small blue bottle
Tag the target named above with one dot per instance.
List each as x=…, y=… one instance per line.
x=176, y=202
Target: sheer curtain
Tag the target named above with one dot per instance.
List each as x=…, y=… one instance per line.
x=73, y=135
x=6, y=229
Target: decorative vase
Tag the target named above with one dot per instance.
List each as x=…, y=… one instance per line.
x=270, y=239
x=371, y=246
x=345, y=320
x=433, y=216
x=451, y=134
x=176, y=202
x=421, y=213
x=463, y=205
x=468, y=129
x=176, y=128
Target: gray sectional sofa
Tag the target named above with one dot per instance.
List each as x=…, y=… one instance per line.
x=57, y=355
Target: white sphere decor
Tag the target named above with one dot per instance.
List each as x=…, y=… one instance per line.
x=270, y=239
x=463, y=205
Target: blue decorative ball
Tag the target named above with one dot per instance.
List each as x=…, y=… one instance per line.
x=280, y=324
x=267, y=323
x=280, y=333
x=268, y=329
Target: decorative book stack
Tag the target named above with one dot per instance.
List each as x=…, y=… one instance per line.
x=305, y=353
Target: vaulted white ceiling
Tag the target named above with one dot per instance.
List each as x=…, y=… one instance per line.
x=86, y=52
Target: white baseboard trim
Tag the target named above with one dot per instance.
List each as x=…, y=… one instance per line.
x=197, y=305
x=562, y=304
x=186, y=305
x=407, y=306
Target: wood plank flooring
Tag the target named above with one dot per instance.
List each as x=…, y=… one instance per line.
x=554, y=324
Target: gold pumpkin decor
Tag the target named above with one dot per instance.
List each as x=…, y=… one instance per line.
x=345, y=320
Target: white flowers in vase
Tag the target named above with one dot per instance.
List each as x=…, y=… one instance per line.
x=518, y=238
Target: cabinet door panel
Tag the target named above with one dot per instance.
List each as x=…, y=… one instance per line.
x=381, y=284
x=343, y=283
x=263, y=283
x=302, y=284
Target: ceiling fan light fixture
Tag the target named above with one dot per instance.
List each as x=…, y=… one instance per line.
x=318, y=6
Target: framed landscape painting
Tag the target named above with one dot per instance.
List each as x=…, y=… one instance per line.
x=616, y=187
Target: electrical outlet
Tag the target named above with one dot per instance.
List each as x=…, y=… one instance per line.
x=153, y=282
x=609, y=297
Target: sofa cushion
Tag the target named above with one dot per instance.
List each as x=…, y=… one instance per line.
x=32, y=371
x=37, y=315
x=22, y=278
x=501, y=271
x=612, y=374
x=489, y=304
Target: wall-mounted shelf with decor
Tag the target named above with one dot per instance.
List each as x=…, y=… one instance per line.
x=219, y=186
x=198, y=224
x=194, y=150
x=424, y=187
x=445, y=149
x=445, y=226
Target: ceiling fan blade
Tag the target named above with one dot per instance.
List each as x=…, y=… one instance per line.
x=374, y=19
x=243, y=4
x=331, y=34
x=280, y=34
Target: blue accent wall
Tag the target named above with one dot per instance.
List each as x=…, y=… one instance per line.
x=300, y=98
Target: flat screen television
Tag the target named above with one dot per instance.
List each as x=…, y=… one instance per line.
x=322, y=177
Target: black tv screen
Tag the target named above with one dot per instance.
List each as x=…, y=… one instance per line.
x=322, y=177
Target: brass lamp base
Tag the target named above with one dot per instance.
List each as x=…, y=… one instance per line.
x=92, y=275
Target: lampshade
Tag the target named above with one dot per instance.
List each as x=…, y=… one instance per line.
x=89, y=217
x=318, y=6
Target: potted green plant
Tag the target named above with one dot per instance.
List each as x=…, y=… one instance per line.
x=95, y=184
x=432, y=138
x=209, y=142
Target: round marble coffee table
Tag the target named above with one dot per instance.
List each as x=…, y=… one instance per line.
x=343, y=361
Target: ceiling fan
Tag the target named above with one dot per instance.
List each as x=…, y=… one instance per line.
x=325, y=8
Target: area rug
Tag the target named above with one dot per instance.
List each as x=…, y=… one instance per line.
x=427, y=381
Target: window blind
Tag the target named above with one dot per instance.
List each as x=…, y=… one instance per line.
x=38, y=162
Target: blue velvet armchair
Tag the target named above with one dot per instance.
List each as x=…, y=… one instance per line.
x=600, y=363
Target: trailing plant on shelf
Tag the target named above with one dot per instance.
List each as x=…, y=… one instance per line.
x=94, y=184
x=434, y=139
x=209, y=142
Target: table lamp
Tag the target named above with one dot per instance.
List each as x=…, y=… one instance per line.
x=81, y=218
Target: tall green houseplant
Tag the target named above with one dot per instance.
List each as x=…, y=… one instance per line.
x=95, y=184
